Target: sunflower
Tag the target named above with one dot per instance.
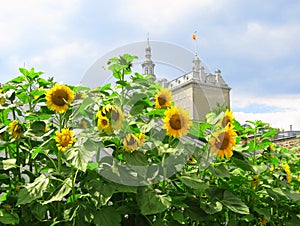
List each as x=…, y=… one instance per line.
x=131, y=142
x=2, y=99
x=109, y=117
x=227, y=118
x=163, y=98
x=177, y=122
x=223, y=141
x=287, y=170
x=103, y=124
x=59, y=97
x=64, y=139
x=15, y=128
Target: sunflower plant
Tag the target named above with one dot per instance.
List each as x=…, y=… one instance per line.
x=125, y=154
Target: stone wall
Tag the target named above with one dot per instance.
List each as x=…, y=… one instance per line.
x=288, y=143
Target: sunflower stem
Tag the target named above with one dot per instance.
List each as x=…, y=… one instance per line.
x=18, y=159
x=5, y=135
x=59, y=153
x=254, y=147
x=164, y=173
x=59, y=161
x=74, y=175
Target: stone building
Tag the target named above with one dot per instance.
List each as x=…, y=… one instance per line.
x=197, y=91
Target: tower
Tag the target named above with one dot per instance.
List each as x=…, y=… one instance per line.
x=148, y=65
x=200, y=92
x=197, y=91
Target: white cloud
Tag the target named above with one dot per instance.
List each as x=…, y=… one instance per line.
x=288, y=115
x=281, y=120
x=67, y=62
x=32, y=18
x=259, y=40
x=160, y=16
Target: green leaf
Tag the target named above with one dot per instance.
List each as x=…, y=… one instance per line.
x=123, y=83
x=243, y=164
x=105, y=87
x=234, y=203
x=277, y=193
x=64, y=190
x=193, y=182
x=86, y=103
x=144, y=128
x=18, y=79
x=33, y=190
x=198, y=129
x=39, y=211
x=260, y=169
x=179, y=217
x=128, y=58
x=237, y=126
x=248, y=218
x=263, y=211
x=136, y=158
x=8, y=164
x=212, y=207
x=4, y=176
x=152, y=203
x=38, y=128
x=107, y=216
x=219, y=170
x=3, y=197
x=8, y=218
x=105, y=191
x=136, y=109
x=294, y=196
x=80, y=155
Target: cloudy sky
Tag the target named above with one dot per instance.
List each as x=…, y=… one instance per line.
x=255, y=43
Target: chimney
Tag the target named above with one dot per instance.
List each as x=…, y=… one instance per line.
x=291, y=127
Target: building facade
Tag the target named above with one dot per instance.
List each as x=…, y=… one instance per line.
x=197, y=91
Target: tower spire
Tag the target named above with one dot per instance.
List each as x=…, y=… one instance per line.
x=148, y=65
x=196, y=63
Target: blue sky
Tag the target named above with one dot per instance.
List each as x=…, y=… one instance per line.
x=255, y=43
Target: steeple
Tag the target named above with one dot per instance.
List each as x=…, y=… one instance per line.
x=196, y=63
x=148, y=65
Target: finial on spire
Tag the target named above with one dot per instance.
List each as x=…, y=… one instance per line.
x=194, y=37
x=148, y=49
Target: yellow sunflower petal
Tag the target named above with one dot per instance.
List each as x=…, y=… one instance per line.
x=227, y=118
x=15, y=129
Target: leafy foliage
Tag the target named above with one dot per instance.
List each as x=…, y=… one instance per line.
x=165, y=181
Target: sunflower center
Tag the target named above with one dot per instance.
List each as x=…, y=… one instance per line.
x=223, y=142
x=131, y=141
x=65, y=139
x=115, y=115
x=161, y=100
x=175, y=122
x=59, y=97
x=104, y=122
